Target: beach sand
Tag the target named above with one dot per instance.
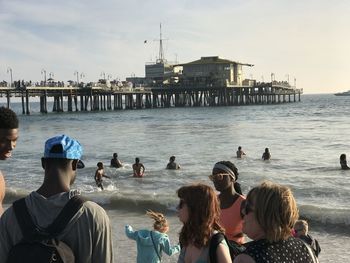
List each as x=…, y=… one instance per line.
x=124, y=248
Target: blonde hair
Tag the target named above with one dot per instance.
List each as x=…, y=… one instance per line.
x=302, y=225
x=160, y=222
x=275, y=210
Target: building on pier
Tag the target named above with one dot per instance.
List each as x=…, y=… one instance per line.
x=213, y=71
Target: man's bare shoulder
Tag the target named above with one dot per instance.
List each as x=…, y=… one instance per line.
x=2, y=187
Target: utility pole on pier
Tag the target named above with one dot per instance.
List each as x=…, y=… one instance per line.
x=82, y=75
x=161, y=51
x=103, y=74
x=9, y=70
x=272, y=77
x=43, y=72
x=77, y=73
x=287, y=75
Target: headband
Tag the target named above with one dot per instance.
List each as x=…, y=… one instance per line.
x=223, y=167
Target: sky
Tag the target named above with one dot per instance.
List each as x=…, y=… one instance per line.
x=306, y=41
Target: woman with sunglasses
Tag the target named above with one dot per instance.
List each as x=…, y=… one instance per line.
x=224, y=177
x=270, y=212
x=199, y=212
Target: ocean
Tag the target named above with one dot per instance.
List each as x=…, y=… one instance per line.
x=305, y=140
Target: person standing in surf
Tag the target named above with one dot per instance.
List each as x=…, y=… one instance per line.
x=115, y=162
x=266, y=155
x=240, y=152
x=99, y=174
x=138, y=168
x=343, y=162
x=172, y=165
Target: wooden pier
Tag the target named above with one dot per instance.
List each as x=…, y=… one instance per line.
x=102, y=99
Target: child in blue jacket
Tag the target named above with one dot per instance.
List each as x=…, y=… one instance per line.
x=151, y=244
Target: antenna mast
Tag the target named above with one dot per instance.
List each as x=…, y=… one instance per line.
x=161, y=52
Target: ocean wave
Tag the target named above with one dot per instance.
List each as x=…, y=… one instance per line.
x=338, y=218
x=114, y=200
x=325, y=217
x=14, y=194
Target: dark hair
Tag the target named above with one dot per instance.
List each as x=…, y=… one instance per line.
x=57, y=162
x=8, y=119
x=203, y=214
x=115, y=155
x=60, y=162
x=137, y=159
x=99, y=164
x=232, y=167
x=172, y=158
x=342, y=157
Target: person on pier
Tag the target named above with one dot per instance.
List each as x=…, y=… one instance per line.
x=266, y=155
x=138, y=168
x=8, y=141
x=115, y=162
x=240, y=152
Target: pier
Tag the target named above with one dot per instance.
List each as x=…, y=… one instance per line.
x=103, y=99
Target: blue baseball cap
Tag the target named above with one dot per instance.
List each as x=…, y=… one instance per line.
x=65, y=148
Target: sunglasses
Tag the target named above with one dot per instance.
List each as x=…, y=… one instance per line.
x=246, y=207
x=219, y=177
x=181, y=204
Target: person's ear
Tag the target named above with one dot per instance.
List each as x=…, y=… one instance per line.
x=43, y=162
x=74, y=165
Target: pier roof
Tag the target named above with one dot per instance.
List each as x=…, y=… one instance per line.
x=214, y=60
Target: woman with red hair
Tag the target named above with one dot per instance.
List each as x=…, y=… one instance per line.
x=199, y=211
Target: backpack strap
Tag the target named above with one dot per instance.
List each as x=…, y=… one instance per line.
x=215, y=240
x=155, y=247
x=32, y=232
x=28, y=228
x=67, y=213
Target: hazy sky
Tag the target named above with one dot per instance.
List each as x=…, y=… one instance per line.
x=307, y=40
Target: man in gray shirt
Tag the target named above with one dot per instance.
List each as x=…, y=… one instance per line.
x=88, y=233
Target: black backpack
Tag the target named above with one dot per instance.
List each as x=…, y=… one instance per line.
x=234, y=247
x=41, y=245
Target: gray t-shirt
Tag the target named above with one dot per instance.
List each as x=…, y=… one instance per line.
x=88, y=234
